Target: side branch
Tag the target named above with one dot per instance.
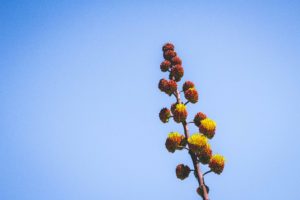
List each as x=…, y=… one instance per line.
x=207, y=172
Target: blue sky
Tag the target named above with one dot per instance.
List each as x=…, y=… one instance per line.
x=79, y=100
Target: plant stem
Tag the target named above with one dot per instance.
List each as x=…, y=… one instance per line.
x=206, y=172
x=193, y=156
x=196, y=165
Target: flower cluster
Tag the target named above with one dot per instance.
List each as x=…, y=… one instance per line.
x=205, y=154
x=198, y=117
x=217, y=163
x=190, y=92
x=168, y=46
x=208, y=127
x=179, y=113
x=187, y=85
x=196, y=144
x=176, y=73
x=176, y=61
x=191, y=95
x=165, y=65
x=175, y=141
x=164, y=115
x=169, y=54
x=172, y=63
x=182, y=171
x=167, y=86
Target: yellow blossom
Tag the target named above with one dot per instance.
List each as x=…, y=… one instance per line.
x=208, y=124
x=180, y=107
x=197, y=142
x=174, y=141
x=217, y=163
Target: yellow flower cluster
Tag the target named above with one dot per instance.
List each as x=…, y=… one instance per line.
x=180, y=113
x=174, y=141
x=174, y=135
x=217, y=163
x=208, y=127
x=208, y=124
x=197, y=142
x=180, y=107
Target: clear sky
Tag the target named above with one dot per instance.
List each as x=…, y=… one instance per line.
x=79, y=100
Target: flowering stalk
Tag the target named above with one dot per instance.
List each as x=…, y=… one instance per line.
x=199, y=175
x=198, y=146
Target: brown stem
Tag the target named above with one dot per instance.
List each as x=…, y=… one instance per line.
x=196, y=165
x=193, y=156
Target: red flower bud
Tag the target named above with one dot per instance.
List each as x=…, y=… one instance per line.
x=200, y=190
x=173, y=107
x=182, y=171
x=163, y=85
x=169, y=54
x=176, y=72
x=172, y=87
x=198, y=117
x=191, y=95
x=168, y=46
x=167, y=86
x=176, y=60
x=164, y=115
x=165, y=65
x=187, y=85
